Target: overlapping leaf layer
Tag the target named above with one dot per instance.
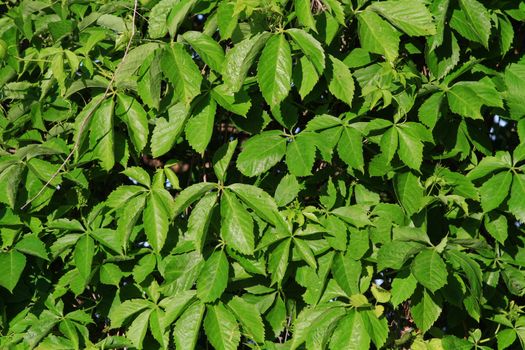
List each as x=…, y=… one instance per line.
x=262, y=174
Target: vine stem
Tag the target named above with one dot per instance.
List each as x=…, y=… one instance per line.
x=91, y=112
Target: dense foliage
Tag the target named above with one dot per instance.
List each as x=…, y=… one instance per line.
x=264, y=174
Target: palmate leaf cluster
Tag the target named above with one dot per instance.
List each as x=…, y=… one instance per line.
x=262, y=174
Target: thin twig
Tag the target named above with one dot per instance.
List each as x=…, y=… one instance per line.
x=90, y=113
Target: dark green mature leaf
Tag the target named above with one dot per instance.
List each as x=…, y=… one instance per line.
x=274, y=71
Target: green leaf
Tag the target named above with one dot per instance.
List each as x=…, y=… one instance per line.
x=101, y=134
x=208, y=49
x=84, y=252
x=274, y=71
x=410, y=16
x=409, y=192
x=157, y=26
x=388, y=143
x=350, y=333
x=395, y=253
x=310, y=47
x=347, y=273
x=300, y=156
x=12, y=265
x=132, y=113
x=430, y=270
x=515, y=82
x=287, y=190
x=259, y=201
x=119, y=313
x=221, y=328
x=340, y=80
x=497, y=227
x=199, y=127
x=466, y=98
x=199, y=220
x=138, y=174
x=238, y=103
x=495, y=190
x=182, y=72
x=278, y=261
x=226, y=19
x=110, y=274
x=187, y=327
x=305, y=76
x=240, y=59
x=177, y=15
x=236, y=224
x=32, y=245
x=138, y=328
x=156, y=220
x=222, y=158
x=403, y=287
x=190, y=195
x=425, y=309
x=261, y=152
x=213, y=277
x=410, y=147
x=377, y=36
x=517, y=195
x=377, y=328
x=350, y=148
x=304, y=13
x=249, y=318
x=9, y=180
x=165, y=133
x=472, y=21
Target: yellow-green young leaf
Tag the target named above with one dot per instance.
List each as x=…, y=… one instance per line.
x=411, y=16
x=340, y=80
x=425, y=308
x=213, y=277
x=101, y=134
x=239, y=60
x=304, y=13
x=249, y=317
x=494, y=191
x=274, y=71
x=199, y=127
x=187, y=327
x=472, y=21
x=133, y=114
x=311, y=48
x=57, y=67
x=12, y=265
x=156, y=220
x=350, y=333
x=261, y=152
x=236, y=224
x=226, y=19
x=430, y=270
x=208, y=49
x=378, y=36
x=221, y=327
x=84, y=252
x=517, y=197
x=182, y=72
